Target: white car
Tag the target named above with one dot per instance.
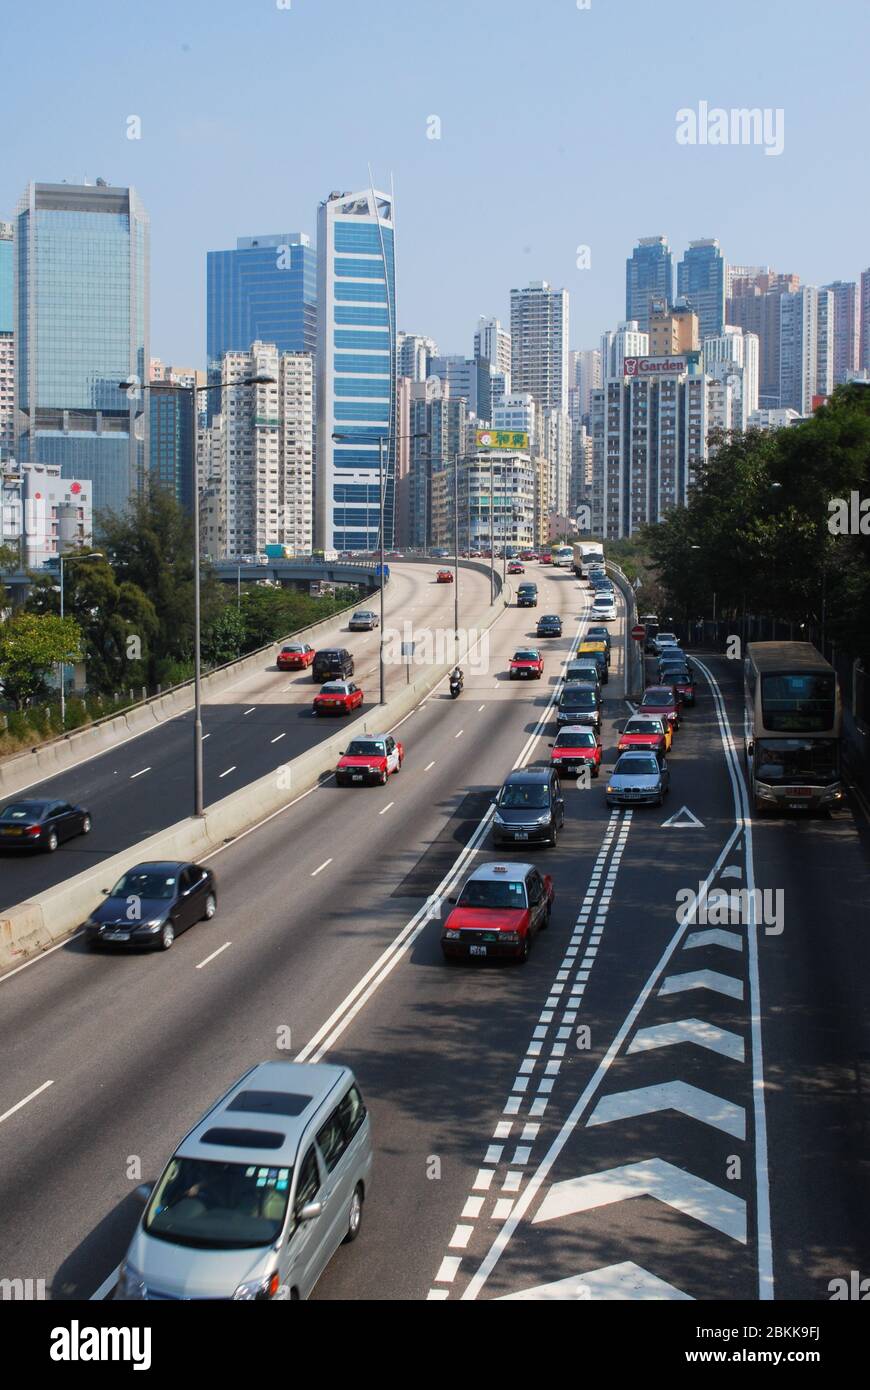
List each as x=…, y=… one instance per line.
x=605, y=609
x=665, y=639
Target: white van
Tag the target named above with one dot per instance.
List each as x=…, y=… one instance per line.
x=260, y=1194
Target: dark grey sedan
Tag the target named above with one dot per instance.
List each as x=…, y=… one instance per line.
x=151, y=904
x=41, y=824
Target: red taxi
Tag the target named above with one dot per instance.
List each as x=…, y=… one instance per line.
x=516, y=568
x=574, y=749
x=527, y=664
x=649, y=732
x=500, y=909
x=444, y=577
x=338, y=697
x=369, y=759
x=295, y=656
x=662, y=700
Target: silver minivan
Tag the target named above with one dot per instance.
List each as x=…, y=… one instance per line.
x=259, y=1195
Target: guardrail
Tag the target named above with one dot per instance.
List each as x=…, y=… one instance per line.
x=634, y=674
x=31, y=927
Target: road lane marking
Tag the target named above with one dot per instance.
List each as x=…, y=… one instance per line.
x=277, y=738
x=386, y=808
x=229, y=770
x=251, y=710
x=218, y=952
x=681, y=1096
x=480, y=707
x=622, y=1281
x=134, y=775
x=654, y=1177
x=459, y=735
x=26, y=1101
x=428, y=765
x=324, y=865
x=691, y=1030
x=205, y=736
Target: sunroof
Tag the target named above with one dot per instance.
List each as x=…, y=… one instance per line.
x=270, y=1103
x=243, y=1138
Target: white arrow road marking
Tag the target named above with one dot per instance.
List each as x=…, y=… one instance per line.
x=693, y=1196
x=692, y=1030
x=733, y=871
x=676, y=823
x=672, y=1095
x=714, y=937
x=620, y=1282
x=703, y=979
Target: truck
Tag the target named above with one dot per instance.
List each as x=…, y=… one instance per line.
x=586, y=552
x=279, y=552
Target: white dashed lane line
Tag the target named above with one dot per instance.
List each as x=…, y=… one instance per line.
x=386, y=808
x=315, y=872
x=428, y=765
x=459, y=735
x=26, y=1101
x=278, y=738
x=140, y=773
x=229, y=770
x=251, y=710
x=218, y=952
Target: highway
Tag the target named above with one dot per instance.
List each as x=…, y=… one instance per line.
x=250, y=727
x=703, y=1139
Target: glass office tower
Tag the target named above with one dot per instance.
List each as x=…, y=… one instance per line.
x=172, y=443
x=264, y=291
x=649, y=274
x=701, y=280
x=81, y=319
x=356, y=369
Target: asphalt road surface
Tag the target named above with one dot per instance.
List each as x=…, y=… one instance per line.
x=649, y=1108
x=250, y=728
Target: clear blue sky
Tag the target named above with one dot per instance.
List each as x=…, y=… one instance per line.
x=558, y=129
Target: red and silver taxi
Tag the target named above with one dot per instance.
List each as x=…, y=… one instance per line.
x=526, y=664
x=498, y=913
x=662, y=700
x=295, y=656
x=371, y=758
x=574, y=749
x=444, y=577
x=338, y=697
x=650, y=733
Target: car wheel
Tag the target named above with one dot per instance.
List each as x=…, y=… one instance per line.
x=86, y=825
x=210, y=907
x=384, y=778
x=354, y=1216
x=167, y=936
x=595, y=771
x=524, y=953
x=52, y=842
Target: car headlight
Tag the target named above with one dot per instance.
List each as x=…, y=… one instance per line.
x=766, y=793
x=545, y=819
x=259, y=1289
x=154, y=924
x=130, y=1285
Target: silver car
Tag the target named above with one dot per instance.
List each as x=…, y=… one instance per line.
x=638, y=779
x=364, y=620
x=259, y=1195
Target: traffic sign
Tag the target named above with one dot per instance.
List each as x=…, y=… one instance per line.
x=638, y=632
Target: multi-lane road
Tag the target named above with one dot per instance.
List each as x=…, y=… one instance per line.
x=251, y=727
x=651, y=1107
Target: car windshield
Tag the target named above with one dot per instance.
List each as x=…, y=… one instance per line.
x=485, y=892
x=574, y=738
x=365, y=748
x=644, y=726
x=515, y=796
x=219, y=1206
x=636, y=767
x=577, y=671
x=23, y=810
x=577, y=699
x=145, y=883
x=659, y=696
x=525, y=656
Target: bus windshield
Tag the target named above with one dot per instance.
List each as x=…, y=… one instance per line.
x=810, y=762
x=800, y=703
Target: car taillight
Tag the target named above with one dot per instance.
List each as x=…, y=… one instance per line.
x=34, y=830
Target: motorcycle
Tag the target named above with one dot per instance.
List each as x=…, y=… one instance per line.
x=457, y=680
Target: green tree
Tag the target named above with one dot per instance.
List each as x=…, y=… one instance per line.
x=30, y=645
x=223, y=637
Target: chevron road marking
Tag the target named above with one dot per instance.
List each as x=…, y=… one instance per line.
x=672, y=1095
x=714, y=936
x=691, y=1030
x=683, y=819
x=621, y=1282
x=653, y=1177
x=703, y=979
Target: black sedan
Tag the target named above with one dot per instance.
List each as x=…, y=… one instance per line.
x=151, y=904
x=550, y=625
x=41, y=824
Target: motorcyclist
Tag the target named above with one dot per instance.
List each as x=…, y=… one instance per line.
x=456, y=677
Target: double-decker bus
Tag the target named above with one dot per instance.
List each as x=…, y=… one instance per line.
x=793, y=723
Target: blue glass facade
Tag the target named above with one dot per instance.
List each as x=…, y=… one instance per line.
x=649, y=274
x=701, y=281
x=82, y=271
x=6, y=283
x=356, y=370
x=172, y=444
x=266, y=291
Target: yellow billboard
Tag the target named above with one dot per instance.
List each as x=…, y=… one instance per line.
x=501, y=439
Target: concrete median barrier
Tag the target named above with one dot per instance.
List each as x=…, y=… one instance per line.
x=31, y=927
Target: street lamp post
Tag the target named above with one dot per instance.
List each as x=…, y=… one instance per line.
x=382, y=439
x=260, y=379
x=88, y=555
x=456, y=556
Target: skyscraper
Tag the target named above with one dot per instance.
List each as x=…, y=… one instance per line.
x=701, y=278
x=413, y=352
x=172, y=441
x=7, y=344
x=739, y=348
x=754, y=307
x=539, y=344
x=584, y=377
x=441, y=416
x=864, y=362
x=672, y=329
x=806, y=347
x=81, y=327
x=627, y=341
x=846, y=329
x=494, y=343
x=649, y=273
x=356, y=368
x=459, y=376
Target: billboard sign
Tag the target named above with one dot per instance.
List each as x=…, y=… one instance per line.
x=501, y=439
